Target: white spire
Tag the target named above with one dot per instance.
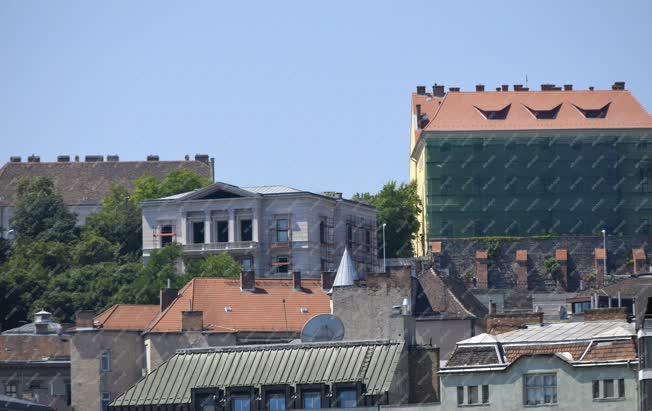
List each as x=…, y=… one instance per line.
x=346, y=274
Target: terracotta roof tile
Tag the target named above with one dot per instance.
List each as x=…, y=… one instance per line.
x=459, y=111
x=273, y=307
x=611, y=350
x=513, y=353
x=561, y=254
x=34, y=347
x=126, y=317
x=639, y=254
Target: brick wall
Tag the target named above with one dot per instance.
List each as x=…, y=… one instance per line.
x=605, y=314
x=423, y=368
x=500, y=323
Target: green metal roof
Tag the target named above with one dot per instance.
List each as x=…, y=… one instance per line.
x=372, y=363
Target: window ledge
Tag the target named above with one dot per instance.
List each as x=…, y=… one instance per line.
x=473, y=405
x=610, y=399
x=541, y=405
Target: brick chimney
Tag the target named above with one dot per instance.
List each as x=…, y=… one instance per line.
x=327, y=278
x=561, y=255
x=423, y=364
x=84, y=319
x=192, y=320
x=166, y=297
x=247, y=281
x=479, y=87
x=481, y=269
x=296, y=280
x=618, y=85
x=521, y=269
x=500, y=323
x=598, y=264
x=438, y=90
x=640, y=260
x=606, y=314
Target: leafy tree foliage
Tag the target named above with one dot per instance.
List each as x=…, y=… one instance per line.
x=221, y=265
x=398, y=206
x=178, y=181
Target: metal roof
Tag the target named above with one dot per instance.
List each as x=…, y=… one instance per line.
x=372, y=363
x=274, y=189
x=346, y=274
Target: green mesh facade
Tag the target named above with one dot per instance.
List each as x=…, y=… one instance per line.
x=528, y=186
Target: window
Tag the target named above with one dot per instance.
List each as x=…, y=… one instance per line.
x=579, y=308
x=472, y=394
x=222, y=231
x=240, y=403
x=282, y=264
x=246, y=232
x=495, y=114
x=106, y=400
x=312, y=400
x=594, y=113
x=322, y=232
x=247, y=264
x=608, y=388
x=485, y=393
x=276, y=402
x=207, y=402
x=11, y=389
x=349, y=236
x=621, y=388
x=460, y=395
x=367, y=239
x=596, y=389
x=105, y=361
x=282, y=225
x=540, y=389
x=545, y=114
x=198, y=232
x=166, y=235
x=347, y=398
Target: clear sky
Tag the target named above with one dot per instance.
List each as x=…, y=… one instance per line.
x=311, y=94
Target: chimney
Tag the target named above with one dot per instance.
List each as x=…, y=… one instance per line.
x=94, y=159
x=63, y=159
x=332, y=194
x=15, y=159
x=421, y=90
x=606, y=314
x=438, y=90
x=296, y=280
x=201, y=157
x=423, y=365
x=247, y=281
x=504, y=87
x=497, y=88
x=112, y=158
x=192, y=320
x=166, y=297
x=327, y=278
x=600, y=256
x=640, y=259
x=591, y=88
x=479, y=87
x=152, y=157
x=418, y=107
x=518, y=87
x=561, y=255
x=33, y=159
x=568, y=87
x=76, y=159
x=84, y=319
x=521, y=269
x=481, y=269
x=547, y=87
x=618, y=85
x=454, y=89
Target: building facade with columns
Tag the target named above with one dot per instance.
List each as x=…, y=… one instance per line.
x=271, y=230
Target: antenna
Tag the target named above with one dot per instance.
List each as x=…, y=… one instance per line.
x=323, y=328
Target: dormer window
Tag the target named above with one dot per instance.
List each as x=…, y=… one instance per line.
x=495, y=114
x=545, y=114
x=594, y=112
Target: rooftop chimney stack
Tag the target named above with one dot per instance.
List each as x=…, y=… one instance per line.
x=247, y=281
x=152, y=157
x=591, y=88
x=618, y=85
x=421, y=90
x=518, y=87
x=504, y=87
x=15, y=159
x=479, y=87
x=63, y=159
x=202, y=157
x=112, y=158
x=166, y=297
x=84, y=319
x=454, y=89
x=192, y=320
x=296, y=280
x=94, y=159
x=33, y=159
x=568, y=87
x=438, y=90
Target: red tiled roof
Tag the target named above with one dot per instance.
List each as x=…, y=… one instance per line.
x=126, y=317
x=459, y=111
x=611, y=350
x=34, y=347
x=513, y=353
x=273, y=307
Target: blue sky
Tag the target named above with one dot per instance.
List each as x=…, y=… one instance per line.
x=311, y=94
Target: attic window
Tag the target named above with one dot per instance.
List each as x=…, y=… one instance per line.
x=594, y=112
x=495, y=114
x=545, y=114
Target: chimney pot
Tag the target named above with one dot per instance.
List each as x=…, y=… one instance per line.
x=63, y=159
x=421, y=90
x=497, y=88
x=518, y=87
x=94, y=159
x=438, y=90
x=247, y=281
x=547, y=87
x=479, y=87
x=152, y=157
x=15, y=159
x=591, y=88
x=618, y=85
x=568, y=87
x=33, y=159
x=504, y=87
x=296, y=280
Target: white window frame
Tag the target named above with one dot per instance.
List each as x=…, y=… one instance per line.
x=540, y=388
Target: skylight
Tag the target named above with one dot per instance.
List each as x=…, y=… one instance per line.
x=495, y=114
x=594, y=112
x=545, y=114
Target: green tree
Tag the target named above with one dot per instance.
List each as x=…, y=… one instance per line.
x=40, y=213
x=398, y=206
x=177, y=181
x=93, y=249
x=221, y=265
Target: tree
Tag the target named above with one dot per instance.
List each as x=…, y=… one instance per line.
x=398, y=207
x=40, y=213
x=221, y=265
x=93, y=249
x=177, y=181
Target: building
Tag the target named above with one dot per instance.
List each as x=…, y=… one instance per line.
x=271, y=230
x=526, y=163
x=84, y=184
x=111, y=351
x=570, y=366
x=35, y=365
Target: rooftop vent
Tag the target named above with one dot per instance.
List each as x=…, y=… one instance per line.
x=63, y=159
x=547, y=87
x=495, y=114
x=591, y=88
x=545, y=114
x=33, y=159
x=153, y=157
x=504, y=87
x=94, y=159
x=568, y=87
x=594, y=112
x=479, y=87
x=15, y=159
x=438, y=90
x=112, y=158
x=421, y=90
x=618, y=85
x=201, y=157
x=332, y=194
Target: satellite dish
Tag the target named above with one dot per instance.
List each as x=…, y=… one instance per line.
x=322, y=328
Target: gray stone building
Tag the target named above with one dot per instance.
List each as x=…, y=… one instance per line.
x=84, y=184
x=271, y=230
x=35, y=365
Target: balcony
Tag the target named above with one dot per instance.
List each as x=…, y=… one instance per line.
x=217, y=247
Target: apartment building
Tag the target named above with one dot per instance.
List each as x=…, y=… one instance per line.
x=520, y=162
x=271, y=230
